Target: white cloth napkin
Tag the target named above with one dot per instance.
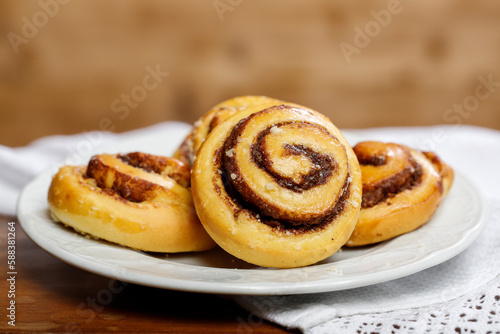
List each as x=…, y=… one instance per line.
x=461, y=295
x=20, y=165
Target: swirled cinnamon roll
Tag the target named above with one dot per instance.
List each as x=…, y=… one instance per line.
x=136, y=200
x=278, y=186
x=219, y=113
x=402, y=188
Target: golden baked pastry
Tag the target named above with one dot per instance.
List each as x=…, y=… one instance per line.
x=136, y=200
x=222, y=111
x=444, y=170
x=278, y=186
x=402, y=188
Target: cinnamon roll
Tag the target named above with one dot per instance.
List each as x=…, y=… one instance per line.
x=402, y=188
x=219, y=113
x=136, y=200
x=278, y=186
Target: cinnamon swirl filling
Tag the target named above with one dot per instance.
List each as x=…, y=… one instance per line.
x=136, y=177
x=218, y=114
x=402, y=188
x=137, y=200
x=277, y=186
x=387, y=170
x=270, y=169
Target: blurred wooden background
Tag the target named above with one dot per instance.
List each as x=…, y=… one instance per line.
x=68, y=66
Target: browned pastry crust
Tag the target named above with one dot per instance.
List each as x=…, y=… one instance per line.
x=136, y=200
x=402, y=188
x=277, y=186
x=219, y=113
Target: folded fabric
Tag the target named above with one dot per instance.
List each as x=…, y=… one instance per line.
x=18, y=166
x=461, y=295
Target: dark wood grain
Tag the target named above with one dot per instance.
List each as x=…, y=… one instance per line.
x=52, y=296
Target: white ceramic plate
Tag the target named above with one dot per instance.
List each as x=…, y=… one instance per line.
x=456, y=224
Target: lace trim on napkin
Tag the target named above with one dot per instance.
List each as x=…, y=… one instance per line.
x=478, y=312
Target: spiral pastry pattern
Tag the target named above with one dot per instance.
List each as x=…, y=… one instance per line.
x=137, y=200
x=402, y=188
x=219, y=113
x=278, y=186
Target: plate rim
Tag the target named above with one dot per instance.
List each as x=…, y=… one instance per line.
x=233, y=288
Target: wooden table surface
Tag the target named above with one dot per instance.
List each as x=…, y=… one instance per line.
x=52, y=296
